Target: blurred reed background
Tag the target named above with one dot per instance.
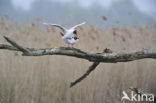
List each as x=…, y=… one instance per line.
x=46, y=79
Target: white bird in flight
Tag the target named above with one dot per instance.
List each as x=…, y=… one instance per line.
x=68, y=35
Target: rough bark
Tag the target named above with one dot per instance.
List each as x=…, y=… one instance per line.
x=107, y=56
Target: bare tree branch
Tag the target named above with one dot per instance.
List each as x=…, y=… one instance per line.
x=8, y=47
x=19, y=47
x=108, y=56
x=90, y=69
x=113, y=57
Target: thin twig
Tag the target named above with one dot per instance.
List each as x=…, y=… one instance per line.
x=90, y=69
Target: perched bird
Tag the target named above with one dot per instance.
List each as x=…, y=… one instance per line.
x=71, y=41
x=67, y=33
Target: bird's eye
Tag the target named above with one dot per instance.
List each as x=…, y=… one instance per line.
x=75, y=32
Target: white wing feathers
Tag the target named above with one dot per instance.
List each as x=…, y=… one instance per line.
x=68, y=33
x=57, y=25
x=79, y=25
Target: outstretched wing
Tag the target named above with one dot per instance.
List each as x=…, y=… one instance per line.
x=57, y=25
x=79, y=25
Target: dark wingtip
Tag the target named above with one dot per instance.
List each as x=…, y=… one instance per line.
x=61, y=34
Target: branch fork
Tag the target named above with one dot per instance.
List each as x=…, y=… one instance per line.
x=107, y=56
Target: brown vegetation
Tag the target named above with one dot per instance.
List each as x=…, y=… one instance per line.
x=46, y=79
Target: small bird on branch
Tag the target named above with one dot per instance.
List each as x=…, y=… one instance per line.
x=68, y=35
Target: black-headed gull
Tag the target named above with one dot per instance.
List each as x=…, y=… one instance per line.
x=71, y=41
x=67, y=33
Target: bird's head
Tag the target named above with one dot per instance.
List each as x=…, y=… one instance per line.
x=75, y=32
x=76, y=38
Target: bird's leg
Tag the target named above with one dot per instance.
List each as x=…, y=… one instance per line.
x=72, y=45
x=68, y=45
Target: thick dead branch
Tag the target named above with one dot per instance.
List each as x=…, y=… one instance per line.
x=140, y=92
x=113, y=57
x=108, y=56
x=19, y=47
x=8, y=47
x=90, y=69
